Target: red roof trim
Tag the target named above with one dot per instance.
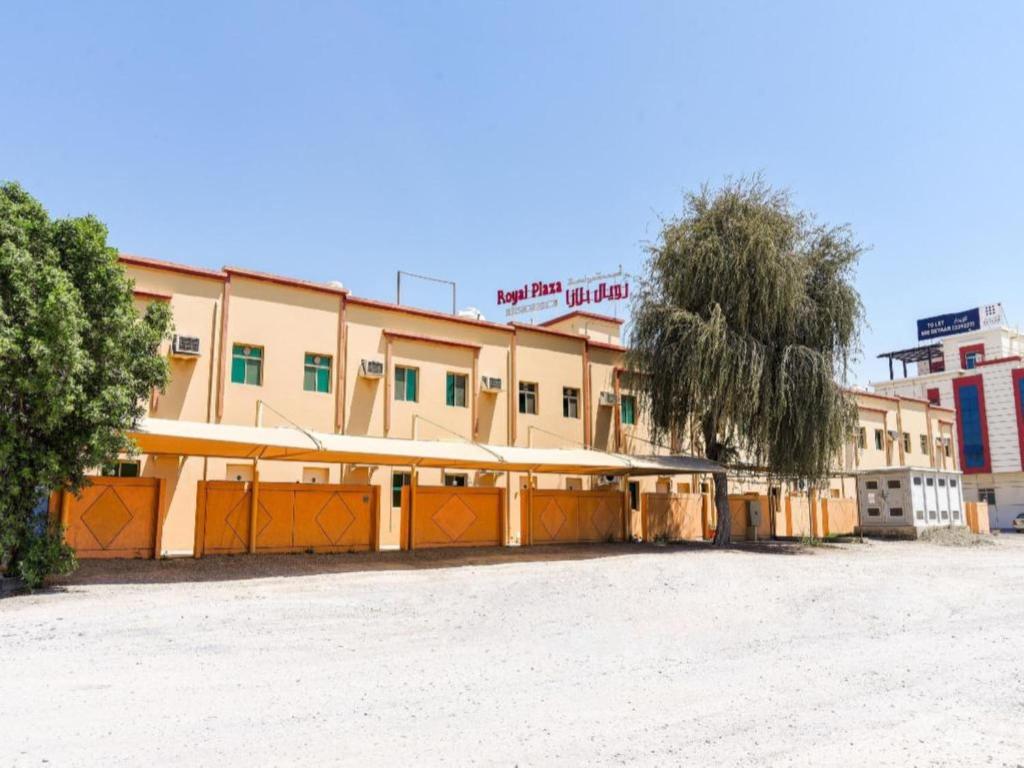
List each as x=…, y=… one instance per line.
x=605, y=345
x=580, y=313
x=170, y=266
x=873, y=394
x=429, y=339
x=154, y=295
x=908, y=399
x=550, y=331
x=389, y=307
x=871, y=409
x=289, y=282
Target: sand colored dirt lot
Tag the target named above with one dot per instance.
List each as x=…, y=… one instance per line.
x=866, y=654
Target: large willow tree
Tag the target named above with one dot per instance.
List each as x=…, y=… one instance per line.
x=743, y=332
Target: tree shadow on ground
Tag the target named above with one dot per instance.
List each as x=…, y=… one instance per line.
x=261, y=566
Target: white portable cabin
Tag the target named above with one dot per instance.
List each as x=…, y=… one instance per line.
x=905, y=500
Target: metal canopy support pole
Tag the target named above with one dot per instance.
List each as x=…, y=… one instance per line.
x=413, y=480
x=507, y=511
x=527, y=520
x=254, y=501
x=626, y=509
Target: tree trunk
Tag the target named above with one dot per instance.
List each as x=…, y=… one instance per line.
x=723, y=528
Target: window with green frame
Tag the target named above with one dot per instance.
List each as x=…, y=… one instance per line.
x=406, y=385
x=246, y=365
x=398, y=481
x=316, y=375
x=455, y=390
x=628, y=409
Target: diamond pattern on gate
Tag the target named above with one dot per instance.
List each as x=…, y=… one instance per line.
x=602, y=518
x=552, y=518
x=454, y=518
x=106, y=517
x=237, y=519
x=263, y=519
x=335, y=518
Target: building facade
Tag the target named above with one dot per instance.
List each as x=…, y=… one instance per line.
x=253, y=349
x=281, y=352
x=979, y=374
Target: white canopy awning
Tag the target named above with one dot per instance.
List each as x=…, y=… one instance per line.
x=190, y=438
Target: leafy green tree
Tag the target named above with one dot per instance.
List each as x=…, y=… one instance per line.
x=743, y=333
x=77, y=365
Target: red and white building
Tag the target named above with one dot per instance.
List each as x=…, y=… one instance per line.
x=980, y=373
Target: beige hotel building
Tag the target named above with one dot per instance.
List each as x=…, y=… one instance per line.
x=502, y=434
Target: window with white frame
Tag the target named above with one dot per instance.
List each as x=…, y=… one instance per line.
x=570, y=403
x=528, y=397
x=406, y=384
x=455, y=390
x=123, y=469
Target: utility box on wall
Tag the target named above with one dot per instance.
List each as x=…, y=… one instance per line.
x=754, y=513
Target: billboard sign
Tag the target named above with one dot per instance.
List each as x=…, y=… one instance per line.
x=978, y=318
x=573, y=293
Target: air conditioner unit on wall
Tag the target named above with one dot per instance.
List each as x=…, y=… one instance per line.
x=185, y=346
x=371, y=369
x=606, y=399
x=490, y=384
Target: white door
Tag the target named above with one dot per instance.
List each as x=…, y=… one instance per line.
x=943, y=494
x=956, y=507
x=871, y=500
x=917, y=499
x=897, y=510
x=931, y=502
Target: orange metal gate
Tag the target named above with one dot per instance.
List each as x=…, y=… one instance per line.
x=289, y=517
x=114, y=517
x=673, y=516
x=443, y=516
x=566, y=517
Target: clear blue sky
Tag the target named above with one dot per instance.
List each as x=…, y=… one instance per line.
x=493, y=143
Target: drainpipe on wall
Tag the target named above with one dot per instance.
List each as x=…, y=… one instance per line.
x=222, y=368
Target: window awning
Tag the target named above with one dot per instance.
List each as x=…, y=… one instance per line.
x=225, y=441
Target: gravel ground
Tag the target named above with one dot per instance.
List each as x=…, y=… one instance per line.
x=894, y=653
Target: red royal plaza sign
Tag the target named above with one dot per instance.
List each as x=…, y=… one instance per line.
x=596, y=289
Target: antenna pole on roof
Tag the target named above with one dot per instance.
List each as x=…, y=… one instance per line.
x=398, y=285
